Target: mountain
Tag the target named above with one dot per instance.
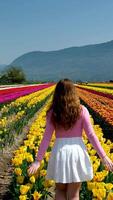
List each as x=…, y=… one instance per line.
x=87, y=63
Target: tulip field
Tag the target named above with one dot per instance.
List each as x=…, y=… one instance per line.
x=101, y=105
x=24, y=108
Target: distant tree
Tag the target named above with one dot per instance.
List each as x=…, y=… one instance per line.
x=13, y=74
x=3, y=79
x=111, y=81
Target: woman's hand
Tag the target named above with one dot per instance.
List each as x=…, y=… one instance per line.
x=33, y=167
x=108, y=163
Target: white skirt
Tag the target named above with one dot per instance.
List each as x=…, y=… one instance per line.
x=69, y=161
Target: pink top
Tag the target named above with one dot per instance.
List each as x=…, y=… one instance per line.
x=82, y=123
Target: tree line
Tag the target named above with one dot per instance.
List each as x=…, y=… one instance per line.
x=16, y=75
x=11, y=75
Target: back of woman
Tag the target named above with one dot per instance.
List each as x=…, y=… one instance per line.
x=74, y=131
x=69, y=164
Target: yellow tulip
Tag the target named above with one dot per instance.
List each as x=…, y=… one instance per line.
x=17, y=161
x=24, y=189
x=20, y=179
x=43, y=172
x=30, y=158
x=48, y=183
x=109, y=186
x=90, y=185
x=47, y=156
x=36, y=195
x=18, y=171
x=99, y=193
x=32, y=179
x=23, y=197
x=110, y=196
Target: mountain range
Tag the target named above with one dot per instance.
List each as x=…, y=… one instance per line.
x=87, y=63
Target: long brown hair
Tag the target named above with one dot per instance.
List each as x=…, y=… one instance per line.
x=65, y=104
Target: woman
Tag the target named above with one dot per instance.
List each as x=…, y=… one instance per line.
x=69, y=164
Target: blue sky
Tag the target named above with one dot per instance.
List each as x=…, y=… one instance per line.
x=45, y=25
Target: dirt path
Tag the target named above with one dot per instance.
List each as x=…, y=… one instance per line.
x=6, y=168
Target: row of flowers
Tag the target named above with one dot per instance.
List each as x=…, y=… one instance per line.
x=20, y=102
x=99, y=91
x=16, y=114
x=35, y=186
x=99, y=104
x=13, y=93
x=103, y=85
x=101, y=186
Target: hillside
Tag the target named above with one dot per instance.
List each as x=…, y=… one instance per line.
x=91, y=63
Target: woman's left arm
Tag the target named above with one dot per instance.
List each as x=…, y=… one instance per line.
x=91, y=134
